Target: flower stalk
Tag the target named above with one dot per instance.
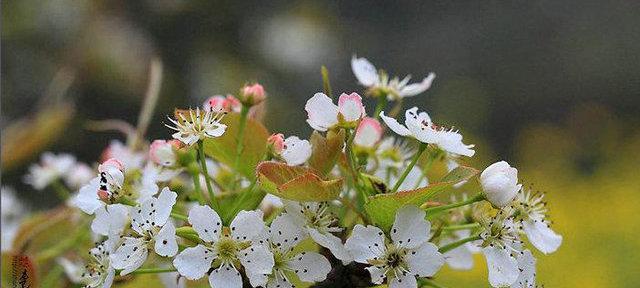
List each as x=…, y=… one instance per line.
x=413, y=162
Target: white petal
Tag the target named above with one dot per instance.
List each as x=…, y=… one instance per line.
x=166, y=244
x=527, y=267
x=194, y=262
x=166, y=200
x=350, y=106
x=369, y=133
x=87, y=198
x=417, y=88
x=377, y=274
x=394, y=125
x=541, y=236
x=310, y=266
x=284, y=233
x=130, y=255
x=405, y=280
x=410, y=229
x=425, y=261
x=186, y=138
x=296, y=151
x=279, y=282
x=257, y=259
x=503, y=269
x=365, y=243
x=73, y=270
x=364, y=71
x=257, y=280
x=216, y=130
x=321, y=112
x=142, y=217
x=247, y=225
x=460, y=258
x=206, y=222
x=226, y=276
x=420, y=126
x=110, y=219
x=451, y=141
x=108, y=281
x=333, y=243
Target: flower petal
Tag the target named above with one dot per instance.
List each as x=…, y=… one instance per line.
x=460, y=258
x=257, y=280
x=331, y=242
x=110, y=219
x=310, y=266
x=279, y=282
x=284, y=232
x=410, y=229
x=194, y=262
x=256, y=259
x=420, y=126
x=541, y=236
x=365, y=243
x=503, y=269
x=350, y=106
x=166, y=200
x=451, y=141
x=417, y=88
x=377, y=274
x=226, y=276
x=130, y=255
x=206, y=222
x=369, y=132
x=321, y=112
x=166, y=244
x=404, y=280
x=527, y=267
x=364, y=71
x=296, y=151
x=394, y=125
x=87, y=198
x=247, y=225
x=425, y=261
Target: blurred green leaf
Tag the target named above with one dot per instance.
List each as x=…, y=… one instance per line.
x=326, y=150
x=296, y=183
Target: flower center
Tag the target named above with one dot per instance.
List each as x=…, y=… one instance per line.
x=227, y=248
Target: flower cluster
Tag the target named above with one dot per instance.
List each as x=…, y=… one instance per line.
x=229, y=203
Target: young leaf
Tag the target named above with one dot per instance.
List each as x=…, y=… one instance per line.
x=326, y=150
x=224, y=148
x=296, y=183
x=382, y=208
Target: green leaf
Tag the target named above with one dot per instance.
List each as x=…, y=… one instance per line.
x=224, y=148
x=296, y=183
x=374, y=184
x=382, y=208
x=326, y=151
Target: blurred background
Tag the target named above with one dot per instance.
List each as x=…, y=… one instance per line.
x=550, y=86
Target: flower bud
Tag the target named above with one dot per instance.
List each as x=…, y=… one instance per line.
x=276, y=141
x=499, y=182
x=251, y=95
x=162, y=152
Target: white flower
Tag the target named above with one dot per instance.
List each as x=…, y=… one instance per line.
x=219, y=103
x=379, y=84
x=316, y=220
x=241, y=244
x=393, y=153
x=420, y=127
x=153, y=229
x=129, y=158
x=107, y=186
x=163, y=153
x=12, y=213
x=499, y=182
x=197, y=126
x=408, y=255
x=322, y=114
x=110, y=219
x=282, y=238
x=369, y=133
x=79, y=175
x=51, y=168
x=98, y=273
x=527, y=267
x=460, y=258
x=500, y=244
x=531, y=211
x=296, y=151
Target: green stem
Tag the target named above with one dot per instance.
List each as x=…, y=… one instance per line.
x=422, y=148
x=61, y=190
x=425, y=170
x=203, y=166
x=461, y=227
x=454, y=245
x=179, y=216
x=382, y=103
x=195, y=174
x=478, y=197
x=154, y=270
x=352, y=167
x=326, y=84
x=429, y=283
x=240, y=143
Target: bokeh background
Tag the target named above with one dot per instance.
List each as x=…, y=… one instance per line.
x=551, y=86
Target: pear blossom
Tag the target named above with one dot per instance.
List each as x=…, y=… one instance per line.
x=98, y=272
x=499, y=183
x=12, y=212
x=530, y=211
x=252, y=94
x=460, y=258
x=225, y=249
x=379, y=84
x=368, y=133
x=51, y=168
x=408, y=255
x=107, y=186
x=419, y=126
x=79, y=175
x=152, y=230
x=129, y=158
x=323, y=115
x=219, y=103
x=527, y=267
x=110, y=219
x=318, y=222
x=282, y=239
x=500, y=244
x=163, y=153
x=296, y=151
x=276, y=141
x=197, y=126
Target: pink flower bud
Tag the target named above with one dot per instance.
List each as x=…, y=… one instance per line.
x=111, y=163
x=277, y=142
x=162, y=152
x=369, y=132
x=252, y=94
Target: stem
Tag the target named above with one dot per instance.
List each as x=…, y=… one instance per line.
x=179, y=216
x=461, y=227
x=454, y=245
x=352, y=167
x=326, y=84
x=203, y=166
x=154, y=270
x=425, y=170
x=422, y=148
x=382, y=103
x=478, y=197
x=240, y=144
x=429, y=283
x=196, y=185
x=61, y=190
